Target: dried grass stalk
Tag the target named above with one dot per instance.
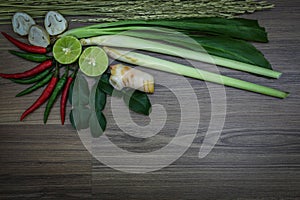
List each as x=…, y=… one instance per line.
x=110, y=10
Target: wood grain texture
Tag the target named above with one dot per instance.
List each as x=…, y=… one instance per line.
x=257, y=156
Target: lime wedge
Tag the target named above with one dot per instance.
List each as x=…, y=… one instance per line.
x=66, y=50
x=93, y=61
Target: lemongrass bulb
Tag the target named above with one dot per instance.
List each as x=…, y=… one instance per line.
x=124, y=76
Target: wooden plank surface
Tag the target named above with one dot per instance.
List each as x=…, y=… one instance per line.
x=257, y=156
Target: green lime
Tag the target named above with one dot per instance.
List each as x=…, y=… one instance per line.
x=93, y=61
x=67, y=49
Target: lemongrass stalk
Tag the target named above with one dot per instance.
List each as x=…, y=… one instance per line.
x=147, y=45
x=134, y=31
x=171, y=67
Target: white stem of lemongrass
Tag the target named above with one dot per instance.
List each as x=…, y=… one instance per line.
x=171, y=67
x=147, y=45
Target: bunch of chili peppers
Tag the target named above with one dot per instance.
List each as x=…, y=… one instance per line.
x=46, y=72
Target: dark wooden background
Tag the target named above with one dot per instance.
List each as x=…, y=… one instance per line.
x=257, y=156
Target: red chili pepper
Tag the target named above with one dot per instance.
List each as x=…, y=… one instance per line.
x=24, y=46
x=44, y=96
x=64, y=95
x=36, y=70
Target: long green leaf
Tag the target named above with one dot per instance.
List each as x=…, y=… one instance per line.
x=245, y=29
x=224, y=21
x=234, y=49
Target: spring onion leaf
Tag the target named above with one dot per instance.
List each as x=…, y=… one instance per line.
x=245, y=29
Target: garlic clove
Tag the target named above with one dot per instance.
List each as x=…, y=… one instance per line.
x=38, y=36
x=55, y=23
x=21, y=23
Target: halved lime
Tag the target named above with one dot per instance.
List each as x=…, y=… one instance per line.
x=66, y=50
x=93, y=61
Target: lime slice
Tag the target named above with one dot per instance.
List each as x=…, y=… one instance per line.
x=66, y=50
x=93, y=61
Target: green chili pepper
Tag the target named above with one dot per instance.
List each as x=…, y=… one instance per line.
x=33, y=79
x=31, y=56
x=58, y=88
x=36, y=86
